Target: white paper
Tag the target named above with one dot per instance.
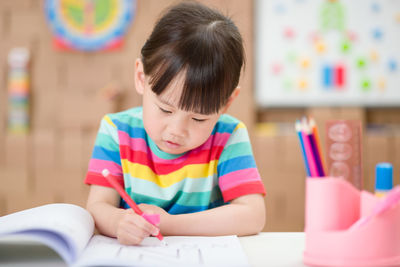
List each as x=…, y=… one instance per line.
x=180, y=251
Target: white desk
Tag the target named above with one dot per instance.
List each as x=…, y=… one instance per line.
x=264, y=249
x=274, y=249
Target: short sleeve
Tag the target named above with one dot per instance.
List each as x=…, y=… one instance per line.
x=237, y=170
x=106, y=155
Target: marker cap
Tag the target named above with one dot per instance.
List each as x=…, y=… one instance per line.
x=383, y=176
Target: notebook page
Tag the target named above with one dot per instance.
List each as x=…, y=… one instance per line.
x=180, y=251
x=66, y=228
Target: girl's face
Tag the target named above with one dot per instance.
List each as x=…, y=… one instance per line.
x=172, y=129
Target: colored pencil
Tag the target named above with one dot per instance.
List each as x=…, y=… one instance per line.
x=309, y=151
x=309, y=142
x=315, y=151
x=303, y=152
x=314, y=128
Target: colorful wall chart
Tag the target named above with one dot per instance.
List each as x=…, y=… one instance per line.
x=89, y=25
x=327, y=52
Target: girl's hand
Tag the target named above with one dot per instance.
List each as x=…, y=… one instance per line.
x=132, y=228
x=151, y=209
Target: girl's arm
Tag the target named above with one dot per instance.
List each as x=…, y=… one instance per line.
x=128, y=227
x=244, y=215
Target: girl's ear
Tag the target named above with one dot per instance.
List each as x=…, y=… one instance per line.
x=234, y=94
x=139, y=76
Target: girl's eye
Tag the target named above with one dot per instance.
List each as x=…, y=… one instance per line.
x=165, y=111
x=199, y=120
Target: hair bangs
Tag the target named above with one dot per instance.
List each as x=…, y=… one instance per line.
x=165, y=67
x=203, y=83
x=203, y=88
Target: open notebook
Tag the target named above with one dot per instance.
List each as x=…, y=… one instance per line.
x=68, y=230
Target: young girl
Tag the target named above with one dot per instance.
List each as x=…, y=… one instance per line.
x=179, y=155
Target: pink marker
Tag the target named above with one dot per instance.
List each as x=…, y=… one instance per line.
x=151, y=218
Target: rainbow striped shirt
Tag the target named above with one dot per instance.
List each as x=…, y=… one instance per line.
x=218, y=171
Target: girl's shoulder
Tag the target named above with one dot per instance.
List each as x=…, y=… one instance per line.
x=132, y=116
x=135, y=112
x=228, y=124
x=228, y=118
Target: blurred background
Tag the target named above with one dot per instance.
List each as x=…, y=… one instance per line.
x=66, y=63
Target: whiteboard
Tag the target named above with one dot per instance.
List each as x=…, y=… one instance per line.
x=321, y=52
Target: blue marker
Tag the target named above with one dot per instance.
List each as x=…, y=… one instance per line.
x=327, y=76
x=383, y=178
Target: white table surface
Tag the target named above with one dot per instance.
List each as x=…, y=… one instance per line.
x=275, y=249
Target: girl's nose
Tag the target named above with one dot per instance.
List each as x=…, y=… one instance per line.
x=178, y=127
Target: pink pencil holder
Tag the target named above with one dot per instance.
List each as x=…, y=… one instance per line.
x=333, y=205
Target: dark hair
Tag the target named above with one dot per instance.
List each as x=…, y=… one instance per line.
x=203, y=43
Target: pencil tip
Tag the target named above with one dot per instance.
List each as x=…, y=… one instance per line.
x=297, y=126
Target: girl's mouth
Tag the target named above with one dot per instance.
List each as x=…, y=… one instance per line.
x=172, y=145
